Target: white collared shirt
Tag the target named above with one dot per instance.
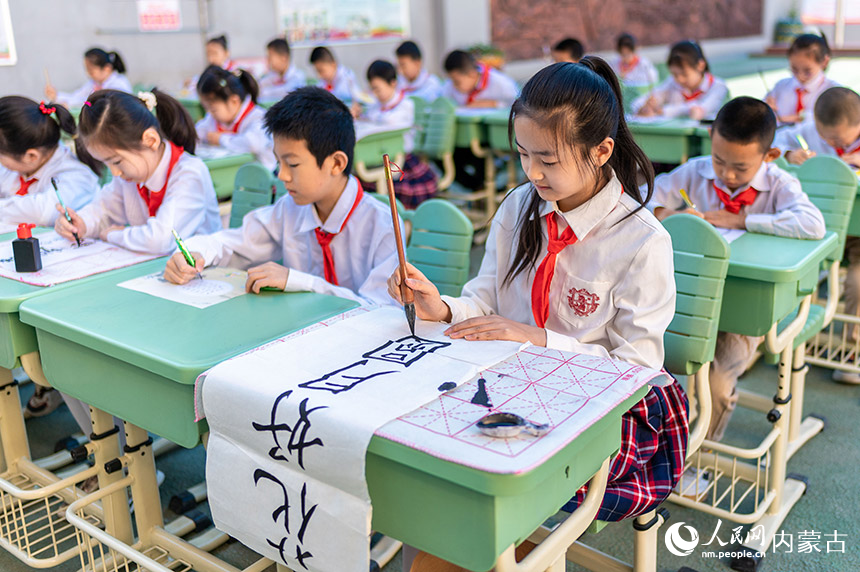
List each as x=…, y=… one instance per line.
x=250, y=138
x=189, y=206
x=365, y=253
x=426, y=86
x=621, y=266
x=642, y=74
x=344, y=86
x=785, y=94
x=274, y=86
x=77, y=98
x=780, y=208
x=78, y=185
x=500, y=88
x=399, y=111
x=671, y=97
x=786, y=140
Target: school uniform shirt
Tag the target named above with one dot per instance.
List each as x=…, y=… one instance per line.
x=189, y=205
x=426, y=86
x=274, y=86
x=33, y=199
x=786, y=140
x=245, y=134
x=677, y=101
x=363, y=249
x=780, y=207
x=492, y=85
x=613, y=291
x=77, y=98
x=399, y=111
x=344, y=86
x=793, y=97
x=640, y=72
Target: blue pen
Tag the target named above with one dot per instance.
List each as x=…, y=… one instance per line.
x=65, y=210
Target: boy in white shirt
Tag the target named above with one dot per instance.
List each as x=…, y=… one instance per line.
x=471, y=84
x=414, y=79
x=330, y=236
x=738, y=187
x=334, y=78
x=282, y=77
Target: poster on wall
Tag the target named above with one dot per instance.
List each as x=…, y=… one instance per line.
x=159, y=16
x=313, y=22
x=8, y=57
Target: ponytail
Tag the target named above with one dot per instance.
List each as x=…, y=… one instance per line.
x=101, y=58
x=175, y=121
x=221, y=84
x=116, y=62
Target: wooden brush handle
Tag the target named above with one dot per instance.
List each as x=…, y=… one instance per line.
x=405, y=291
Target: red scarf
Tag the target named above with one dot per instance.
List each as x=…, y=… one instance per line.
x=627, y=68
x=544, y=274
x=699, y=92
x=153, y=200
x=801, y=91
x=235, y=128
x=25, y=185
x=842, y=151
x=481, y=85
x=396, y=101
x=324, y=239
x=734, y=205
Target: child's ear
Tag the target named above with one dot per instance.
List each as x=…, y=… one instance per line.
x=150, y=138
x=603, y=151
x=339, y=161
x=235, y=99
x=701, y=65
x=772, y=155
x=711, y=132
x=31, y=156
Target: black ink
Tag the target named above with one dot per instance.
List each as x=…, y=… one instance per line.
x=298, y=432
x=306, y=514
x=300, y=556
x=447, y=386
x=405, y=351
x=481, y=396
x=285, y=507
x=338, y=382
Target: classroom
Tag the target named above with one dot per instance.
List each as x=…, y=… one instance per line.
x=429, y=285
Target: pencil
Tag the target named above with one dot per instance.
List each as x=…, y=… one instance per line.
x=686, y=198
x=803, y=144
x=188, y=258
x=405, y=291
x=65, y=210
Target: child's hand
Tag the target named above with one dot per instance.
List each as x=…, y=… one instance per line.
x=179, y=272
x=791, y=118
x=213, y=138
x=50, y=92
x=355, y=109
x=104, y=234
x=483, y=104
x=266, y=275
x=663, y=213
x=66, y=229
x=697, y=113
x=650, y=108
x=853, y=159
x=428, y=302
x=724, y=219
x=495, y=327
x=798, y=156
x=771, y=101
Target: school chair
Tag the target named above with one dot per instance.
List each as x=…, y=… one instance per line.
x=421, y=110
x=436, y=140
x=255, y=187
x=701, y=257
x=440, y=245
x=629, y=93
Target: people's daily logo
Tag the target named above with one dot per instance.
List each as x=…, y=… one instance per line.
x=678, y=545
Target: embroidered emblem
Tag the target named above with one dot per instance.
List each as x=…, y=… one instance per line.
x=583, y=302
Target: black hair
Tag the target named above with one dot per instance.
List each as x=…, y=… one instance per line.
x=25, y=124
x=280, y=46
x=117, y=119
x=836, y=106
x=99, y=57
x=814, y=44
x=321, y=54
x=460, y=61
x=687, y=53
x=581, y=104
x=383, y=70
x=746, y=120
x=572, y=47
x=313, y=115
x=625, y=40
x=220, y=40
x=408, y=49
x=218, y=83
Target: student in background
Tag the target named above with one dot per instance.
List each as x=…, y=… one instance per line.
x=233, y=120
x=282, y=77
x=568, y=50
x=393, y=107
x=472, y=84
x=329, y=236
x=692, y=91
x=632, y=69
x=793, y=98
x=414, y=79
x=218, y=54
x=336, y=79
x=105, y=70
x=738, y=187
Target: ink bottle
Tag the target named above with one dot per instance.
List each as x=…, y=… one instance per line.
x=25, y=248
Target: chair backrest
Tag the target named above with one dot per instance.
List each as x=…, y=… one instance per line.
x=438, y=129
x=421, y=108
x=255, y=187
x=831, y=186
x=701, y=258
x=401, y=210
x=440, y=244
x=785, y=165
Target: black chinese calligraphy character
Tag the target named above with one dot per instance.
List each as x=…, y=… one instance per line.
x=306, y=514
x=405, y=351
x=338, y=381
x=298, y=433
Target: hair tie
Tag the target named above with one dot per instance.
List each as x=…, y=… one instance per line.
x=45, y=109
x=222, y=82
x=148, y=98
x=88, y=103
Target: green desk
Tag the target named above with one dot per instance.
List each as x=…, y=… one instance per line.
x=702, y=141
x=375, y=143
x=471, y=129
x=672, y=141
x=223, y=172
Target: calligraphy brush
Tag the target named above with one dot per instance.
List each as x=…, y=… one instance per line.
x=65, y=210
x=405, y=291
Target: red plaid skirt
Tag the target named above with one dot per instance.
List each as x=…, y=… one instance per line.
x=419, y=182
x=651, y=459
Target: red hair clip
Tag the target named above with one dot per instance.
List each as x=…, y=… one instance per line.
x=45, y=109
x=88, y=104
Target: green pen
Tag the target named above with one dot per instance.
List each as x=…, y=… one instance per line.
x=188, y=258
x=65, y=210
x=802, y=142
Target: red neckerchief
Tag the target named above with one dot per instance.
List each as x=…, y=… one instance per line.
x=229, y=65
x=235, y=128
x=546, y=270
x=742, y=199
x=482, y=83
x=842, y=151
x=25, y=185
x=324, y=239
x=627, y=68
x=397, y=99
x=699, y=92
x=153, y=200
x=800, y=91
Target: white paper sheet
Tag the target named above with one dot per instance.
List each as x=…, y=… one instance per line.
x=63, y=261
x=308, y=408
x=731, y=234
x=212, y=152
x=7, y=228
x=363, y=128
x=218, y=285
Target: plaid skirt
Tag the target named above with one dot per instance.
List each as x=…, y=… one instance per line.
x=651, y=458
x=419, y=182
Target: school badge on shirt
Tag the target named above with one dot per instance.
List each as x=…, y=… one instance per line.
x=582, y=302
